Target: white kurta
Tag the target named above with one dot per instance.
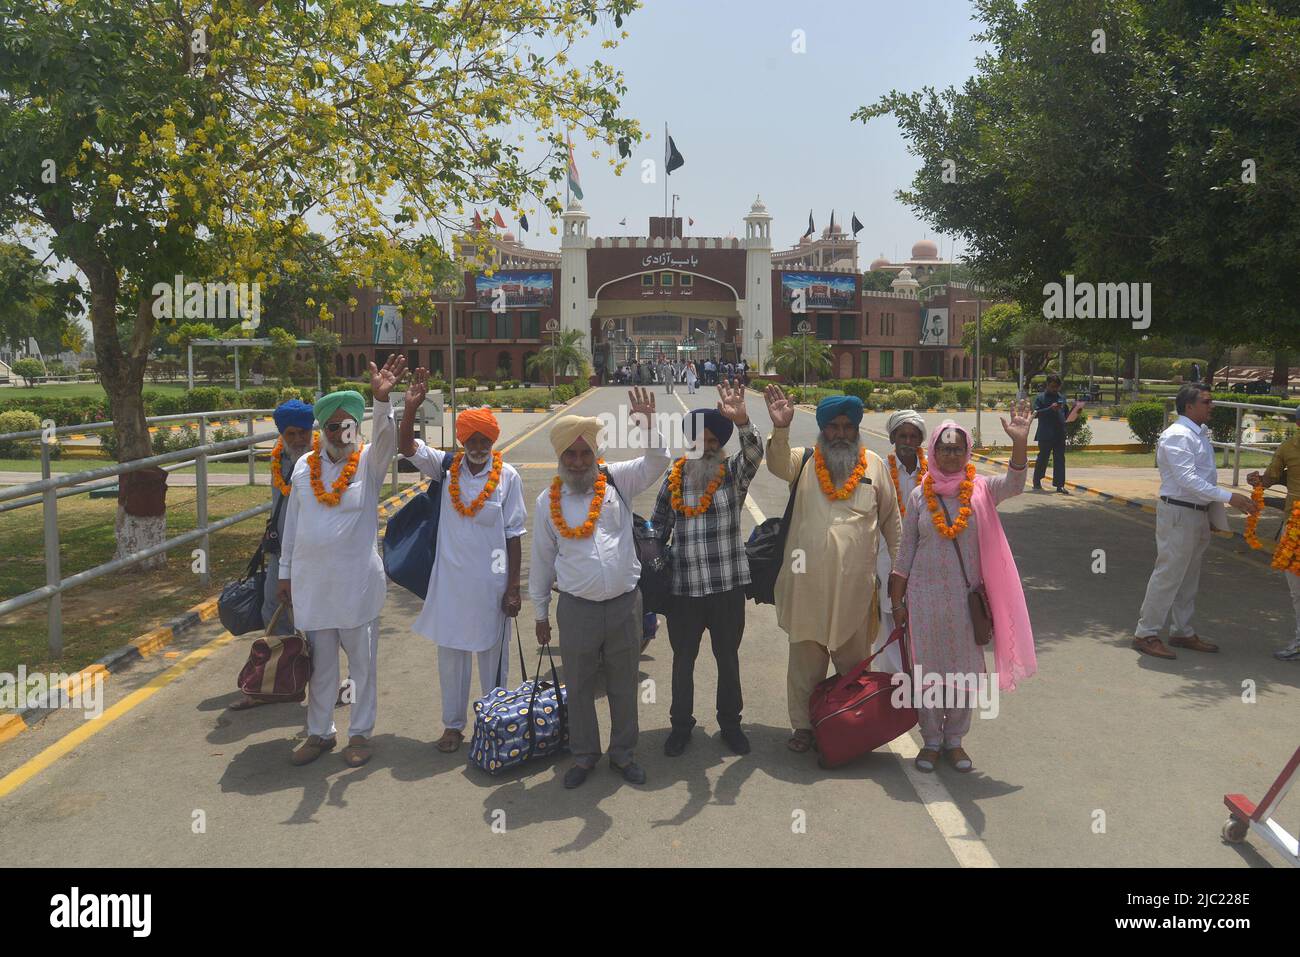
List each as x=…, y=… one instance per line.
x=329, y=553
x=462, y=609
x=891, y=660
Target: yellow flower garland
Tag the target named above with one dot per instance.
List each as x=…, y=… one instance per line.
x=965, y=490
x=921, y=470
x=335, y=495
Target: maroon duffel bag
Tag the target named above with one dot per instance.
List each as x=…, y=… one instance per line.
x=278, y=666
x=853, y=713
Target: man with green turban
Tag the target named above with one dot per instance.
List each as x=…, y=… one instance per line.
x=330, y=569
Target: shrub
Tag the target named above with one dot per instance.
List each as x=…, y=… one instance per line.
x=206, y=398
x=1077, y=433
x=1157, y=367
x=261, y=397
x=930, y=397
x=964, y=395
x=564, y=393
x=29, y=369
x=364, y=388
x=297, y=392
x=470, y=384
x=19, y=420
x=1146, y=420
x=861, y=388
x=226, y=433
x=527, y=399
x=169, y=405
x=905, y=399
x=923, y=381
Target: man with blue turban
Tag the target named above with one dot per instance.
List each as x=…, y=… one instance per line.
x=293, y=419
x=330, y=569
x=700, y=504
x=845, y=501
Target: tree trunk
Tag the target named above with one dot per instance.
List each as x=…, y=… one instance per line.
x=1281, y=371
x=141, y=510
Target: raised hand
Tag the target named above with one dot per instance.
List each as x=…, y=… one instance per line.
x=732, y=404
x=641, y=401
x=779, y=407
x=383, y=380
x=1018, y=428
x=417, y=390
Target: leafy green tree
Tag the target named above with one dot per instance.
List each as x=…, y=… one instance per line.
x=33, y=306
x=792, y=356
x=29, y=369
x=877, y=280
x=153, y=139
x=566, y=356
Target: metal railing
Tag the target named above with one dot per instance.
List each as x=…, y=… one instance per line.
x=1236, y=445
x=51, y=487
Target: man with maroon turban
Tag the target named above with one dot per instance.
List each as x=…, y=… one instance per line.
x=474, y=586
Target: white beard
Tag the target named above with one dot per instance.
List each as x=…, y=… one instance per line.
x=698, y=473
x=478, y=458
x=338, y=452
x=583, y=483
x=293, y=454
x=841, y=459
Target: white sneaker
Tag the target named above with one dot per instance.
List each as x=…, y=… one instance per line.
x=1290, y=653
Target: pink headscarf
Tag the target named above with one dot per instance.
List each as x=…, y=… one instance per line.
x=1013, y=639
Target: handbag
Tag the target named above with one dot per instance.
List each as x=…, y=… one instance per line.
x=278, y=666
x=240, y=604
x=654, y=556
x=855, y=713
x=977, y=598
x=765, y=548
x=511, y=727
x=411, y=538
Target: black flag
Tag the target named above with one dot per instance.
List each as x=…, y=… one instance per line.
x=673, y=160
x=623, y=221
x=523, y=221
x=810, y=225
x=857, y=226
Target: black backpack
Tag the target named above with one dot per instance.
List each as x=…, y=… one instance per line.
x=765, y=549
x=656, y=571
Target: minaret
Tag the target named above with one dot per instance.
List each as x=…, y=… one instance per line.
x=575, y=308
x=756, y=307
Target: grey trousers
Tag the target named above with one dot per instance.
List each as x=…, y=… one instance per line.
x=588, y=628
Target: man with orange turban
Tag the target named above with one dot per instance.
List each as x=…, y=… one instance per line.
x=474, y=586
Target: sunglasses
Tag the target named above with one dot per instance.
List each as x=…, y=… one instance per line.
x=333, y=426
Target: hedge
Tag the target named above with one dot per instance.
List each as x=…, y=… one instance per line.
x=923, y=381
x=862, y=388
x=1146, y=420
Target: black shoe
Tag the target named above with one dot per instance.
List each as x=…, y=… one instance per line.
x=1061, y=490
x=631, y=772
x=736, y=740
x=677, y=742
x=575, y=776
x=1039, y=488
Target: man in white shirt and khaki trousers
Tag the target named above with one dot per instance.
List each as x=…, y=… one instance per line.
x=588, y=549
x=1190, y=503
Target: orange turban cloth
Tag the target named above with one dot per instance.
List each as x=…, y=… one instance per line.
x=477, y=420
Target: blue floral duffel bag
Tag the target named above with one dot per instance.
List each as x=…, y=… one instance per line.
x=512, y=726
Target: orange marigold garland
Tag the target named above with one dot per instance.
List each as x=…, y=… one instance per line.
x=335, y=495
x=1252, y=521
x=593, y=513
x=965, y=490
x=1286, y=557
x=675, y=486
x=850, y=484
x=921, y=470
x=453, y=487
x=276, y=478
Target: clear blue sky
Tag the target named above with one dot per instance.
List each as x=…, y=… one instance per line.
x=752, y=117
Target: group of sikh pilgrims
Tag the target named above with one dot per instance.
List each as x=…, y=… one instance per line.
x=923, y=527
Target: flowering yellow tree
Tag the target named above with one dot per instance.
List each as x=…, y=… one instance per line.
x=187, y=137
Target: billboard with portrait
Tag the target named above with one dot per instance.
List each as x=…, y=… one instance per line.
x=388, y=325
x=934, y=326
x=817, y=290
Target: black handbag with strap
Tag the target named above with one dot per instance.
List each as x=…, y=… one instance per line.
x=765, y=549
x=977, y=598
x=655, y=558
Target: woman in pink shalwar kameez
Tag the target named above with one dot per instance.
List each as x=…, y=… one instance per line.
x=929, y=575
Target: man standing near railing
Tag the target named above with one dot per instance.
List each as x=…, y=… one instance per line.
x=1285, y=469
x=329, y=567
x=1190, y=503
x=293, y=419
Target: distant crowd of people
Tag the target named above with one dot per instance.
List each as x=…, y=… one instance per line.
x=668, y=373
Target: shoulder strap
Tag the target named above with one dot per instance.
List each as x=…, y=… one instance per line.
x=610, y=479
x=794, y=490
x=948, y=518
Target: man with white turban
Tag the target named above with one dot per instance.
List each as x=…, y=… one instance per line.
x=907, y=467
x=582, y=540
x=330, y=569
x=472, y=591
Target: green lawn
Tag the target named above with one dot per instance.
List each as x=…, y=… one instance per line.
x=108, y=612
x=1104, y=459
x=95, y=390
x=235, y=467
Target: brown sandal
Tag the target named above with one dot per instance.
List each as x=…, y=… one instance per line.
x=450, y=741
x=956, y=756
x=357, y=752
x=928, y=755
x=801, y=741
x=312, y=748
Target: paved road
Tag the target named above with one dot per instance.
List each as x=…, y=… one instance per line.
x=1153, y=745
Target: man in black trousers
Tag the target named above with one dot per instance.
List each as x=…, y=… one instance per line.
x=700, y=505
x=1049, y=409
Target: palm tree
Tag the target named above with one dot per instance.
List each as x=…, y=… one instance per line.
x=565, y=355
x=791, y=355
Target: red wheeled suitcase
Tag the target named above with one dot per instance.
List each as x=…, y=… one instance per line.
x=853, y=713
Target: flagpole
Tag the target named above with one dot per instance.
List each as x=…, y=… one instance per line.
x=666, y=172
x=568, y=162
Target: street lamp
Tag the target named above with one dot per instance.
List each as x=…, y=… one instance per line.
x=802, y=331
x=979, y=371
x=758, y=343
x=553, y=327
